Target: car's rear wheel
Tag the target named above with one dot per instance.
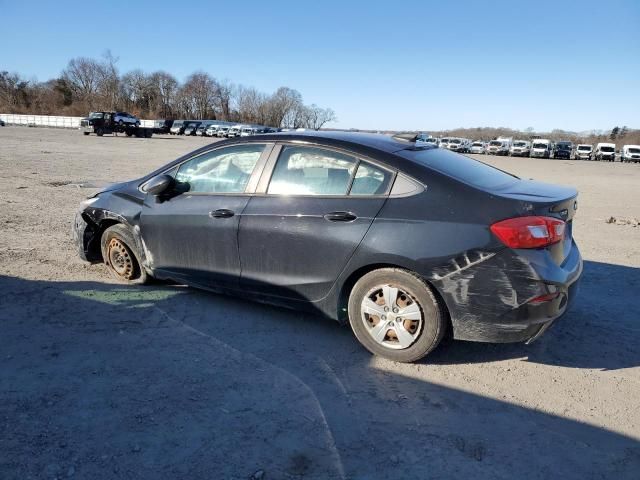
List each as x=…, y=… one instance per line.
x=394, y=314
x=121, y=255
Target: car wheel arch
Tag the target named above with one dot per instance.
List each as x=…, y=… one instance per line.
x=100, y=225
x=352, y=279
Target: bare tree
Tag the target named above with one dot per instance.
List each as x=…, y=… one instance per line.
x=225, y=94
x=109, y=81
x=317, y=117
x=14, y=92
x=164, y=89
x=282, y=107
x=83, y=75
x=136, y=91
x=88, y=84
x=199, y=93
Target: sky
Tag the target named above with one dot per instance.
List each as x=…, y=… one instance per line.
x=422, y=65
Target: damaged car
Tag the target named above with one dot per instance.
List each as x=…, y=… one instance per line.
x=404, y=241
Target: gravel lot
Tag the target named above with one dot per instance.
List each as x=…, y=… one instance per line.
x=101, y=381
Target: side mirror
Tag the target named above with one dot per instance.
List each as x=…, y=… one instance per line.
x=159, y=184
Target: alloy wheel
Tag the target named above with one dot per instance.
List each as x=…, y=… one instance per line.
x=393, y=318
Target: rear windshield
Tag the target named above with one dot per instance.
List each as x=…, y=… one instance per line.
x=460, y=167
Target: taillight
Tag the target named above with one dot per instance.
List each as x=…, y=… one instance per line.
x=529, y=232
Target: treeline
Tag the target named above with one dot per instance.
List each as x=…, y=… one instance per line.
x=88, y=84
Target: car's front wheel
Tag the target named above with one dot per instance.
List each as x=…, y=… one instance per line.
x=121, y=255
x=394, y=314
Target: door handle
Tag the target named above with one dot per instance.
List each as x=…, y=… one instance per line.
x=340, y=217
x=222, y=213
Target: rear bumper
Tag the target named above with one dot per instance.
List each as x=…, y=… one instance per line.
x=491, y=301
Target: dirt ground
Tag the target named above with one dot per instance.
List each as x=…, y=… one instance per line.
x=102, y=381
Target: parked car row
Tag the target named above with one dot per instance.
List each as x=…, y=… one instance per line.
x=538, y=148
x=209, y=129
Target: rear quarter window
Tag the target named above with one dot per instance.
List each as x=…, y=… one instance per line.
x=460, y=167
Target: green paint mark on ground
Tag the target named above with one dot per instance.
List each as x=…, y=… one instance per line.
x=122, y=296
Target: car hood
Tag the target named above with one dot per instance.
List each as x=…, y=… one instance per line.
x=112, y=187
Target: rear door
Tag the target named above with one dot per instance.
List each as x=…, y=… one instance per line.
x=193, y=235
x=312, y=209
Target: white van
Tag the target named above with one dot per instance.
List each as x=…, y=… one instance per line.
x=583, y=151
x=542, y=148
x=444, y=142
x=520, y=148
x=457, y=145
x=630, y=153
x=234, y=131
x=500, y=146
x=605, y=151
x=478, y=147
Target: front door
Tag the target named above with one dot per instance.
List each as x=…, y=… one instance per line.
x=194, y=235
x=298, y=235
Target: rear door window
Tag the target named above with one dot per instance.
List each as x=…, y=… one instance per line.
x=370, y=180
x=303, y=170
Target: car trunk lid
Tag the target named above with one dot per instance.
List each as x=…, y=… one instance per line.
x=543, y=199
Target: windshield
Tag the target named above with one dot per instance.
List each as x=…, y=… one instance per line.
x=495, y=143
x=519, y=144
x=96, y=115
x=586, y=148
x=477, y=144
x=430, y=140
x=455, y=140
x=540, y=145
x=460, y=167
x=607, y=149
x=564, y=146
x=634, y=150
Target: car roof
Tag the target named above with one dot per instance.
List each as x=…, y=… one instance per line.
x=377, y=141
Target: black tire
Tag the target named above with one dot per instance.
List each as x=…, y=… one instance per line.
x=86, y=133
x=434, y=324
x=129, y=133
x=118, y=243
x=99, y=132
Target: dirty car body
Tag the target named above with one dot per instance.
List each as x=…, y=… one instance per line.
x=434, y=217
